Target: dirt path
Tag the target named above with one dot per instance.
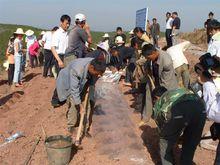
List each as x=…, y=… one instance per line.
x=28, y=108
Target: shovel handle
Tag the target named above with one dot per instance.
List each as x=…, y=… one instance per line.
x=78, y=136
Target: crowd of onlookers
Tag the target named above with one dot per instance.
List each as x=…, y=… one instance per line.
x=159, y=78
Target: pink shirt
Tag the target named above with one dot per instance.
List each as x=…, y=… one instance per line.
x=33, y=49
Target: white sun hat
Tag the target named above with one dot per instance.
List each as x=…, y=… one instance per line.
x=119, y=40
x=29, y=32
x=104, y=46
x=6, y=65
x=80, y=17
x=19, y=31
x=106, y=35
x=42, y=33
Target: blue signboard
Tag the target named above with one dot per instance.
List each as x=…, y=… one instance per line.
x=141, y=18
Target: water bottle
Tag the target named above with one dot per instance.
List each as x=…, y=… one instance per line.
x=14, y=137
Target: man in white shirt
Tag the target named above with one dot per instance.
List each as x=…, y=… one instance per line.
x=214, y=44
x=169, y=23
x=60, y=42
x=180, y=63
x=48, y=55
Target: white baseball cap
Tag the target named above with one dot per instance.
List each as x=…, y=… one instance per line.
x=119, y=40
x=80, y=17
x=42, y=33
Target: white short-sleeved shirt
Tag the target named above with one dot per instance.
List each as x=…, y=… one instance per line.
x=211, y=97
x=214, y=45
x=47, y=38
x=30, y=40
x=60, y=41
x=176, y=53
x=169, y=23
x=19, y=45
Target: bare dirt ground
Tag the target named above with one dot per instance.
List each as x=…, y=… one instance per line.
x=116, y=139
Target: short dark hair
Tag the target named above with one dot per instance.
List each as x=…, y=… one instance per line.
x=158, y=92
x=175, y=13
x=215, y=25
x=55, y=28
x=119, y=28
x=148, y=50
x=99, y=65
x=168, y=13
x=134, y=41
x=65, y=17
x=211, y=13
x=138, y=29
x=154, y=19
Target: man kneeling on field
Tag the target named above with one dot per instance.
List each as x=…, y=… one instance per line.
x=175, y=112
x=72, y=84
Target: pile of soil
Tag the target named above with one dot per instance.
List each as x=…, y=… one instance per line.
x=198, y=36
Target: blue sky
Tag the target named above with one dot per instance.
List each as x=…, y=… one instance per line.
x=105, y=15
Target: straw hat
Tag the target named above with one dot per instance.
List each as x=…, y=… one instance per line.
x=19, y=31
x=29, y=33
x=131, y=32
x=106, y=35
x=119, y=40
x=104, y=46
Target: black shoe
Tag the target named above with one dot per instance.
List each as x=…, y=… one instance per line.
x=55, y=103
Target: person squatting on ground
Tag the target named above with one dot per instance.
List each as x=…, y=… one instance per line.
x=60, y=42
x=72, y=84
x=48, y=55
x=18, y=56
x=10, y=57
x=175, y=112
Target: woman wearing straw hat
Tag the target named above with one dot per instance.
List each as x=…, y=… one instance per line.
x=18, y=55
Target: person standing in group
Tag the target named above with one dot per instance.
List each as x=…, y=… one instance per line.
x=10, y=57
x=48, y=55
x=155, y=32
x=30, y=39
x=175, y=27
x=78, y=37
x=169, y=23
x=60, y=41
x=119, y=32
x=207, y=25
x=18, y=56
x=148, y=31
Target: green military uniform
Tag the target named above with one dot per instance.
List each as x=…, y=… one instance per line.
x=175, y=112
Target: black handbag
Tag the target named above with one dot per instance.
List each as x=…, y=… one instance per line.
x=215, y=131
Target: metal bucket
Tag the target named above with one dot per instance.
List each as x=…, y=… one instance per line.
x=58, y=149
